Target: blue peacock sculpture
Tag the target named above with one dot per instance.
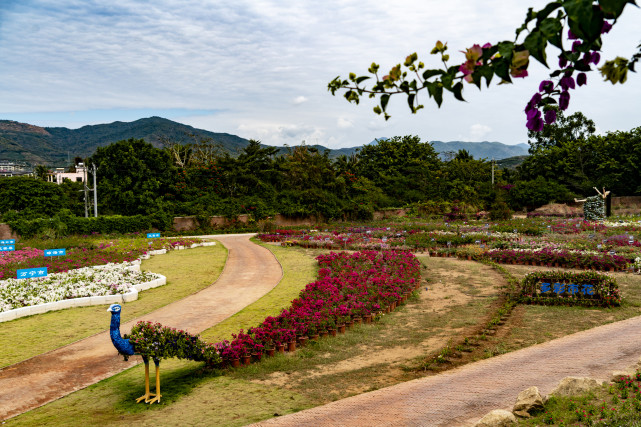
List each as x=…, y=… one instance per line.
x=155, y=341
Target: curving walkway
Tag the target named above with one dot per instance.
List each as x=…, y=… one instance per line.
x=250, y=272
x=460, y=397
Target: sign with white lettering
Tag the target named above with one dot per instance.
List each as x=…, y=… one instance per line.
x=6, y=248
x=55, y=252
x=29, y=273
x=8, y=242
x=153, y=235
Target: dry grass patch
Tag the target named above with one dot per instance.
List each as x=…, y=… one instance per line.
x=535, y=324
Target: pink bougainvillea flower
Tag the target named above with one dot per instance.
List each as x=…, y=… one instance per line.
x=473, y=53
x=546, y=86
x=564, y=100
x=567, y=82
x=550, y=116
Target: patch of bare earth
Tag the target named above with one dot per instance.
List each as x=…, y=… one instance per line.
x=458, y=294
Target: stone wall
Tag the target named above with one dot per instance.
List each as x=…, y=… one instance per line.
x=390, y=213
x=6, y=232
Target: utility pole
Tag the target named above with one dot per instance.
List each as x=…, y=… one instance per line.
x=95, y=191
x=492, y=170
x=84, y=182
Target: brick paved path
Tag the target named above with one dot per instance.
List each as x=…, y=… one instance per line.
x=250, y=272
x=462, y=396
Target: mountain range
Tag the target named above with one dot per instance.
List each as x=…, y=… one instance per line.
x=24, y=142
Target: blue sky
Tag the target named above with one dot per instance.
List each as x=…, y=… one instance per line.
x=259, y=68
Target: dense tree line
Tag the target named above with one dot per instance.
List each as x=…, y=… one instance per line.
x=566, y=160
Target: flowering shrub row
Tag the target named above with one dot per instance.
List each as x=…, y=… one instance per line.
x=349, y=285
x=102, y=280
x=560, y=257
x=563, y=288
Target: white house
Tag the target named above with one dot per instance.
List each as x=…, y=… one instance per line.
x=59, y=175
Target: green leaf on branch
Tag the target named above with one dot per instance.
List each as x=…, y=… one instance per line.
x=585, y=21
x=435, y=90
x=549, y=8
x=458, y=89
x=614, y=8
x=506, y=49
x=410, y=102
x=384, y=101
x=535, y=42
x=361, y=79
x=487, y=72
x=502, y=69
x=550, y=27
x=431, y=73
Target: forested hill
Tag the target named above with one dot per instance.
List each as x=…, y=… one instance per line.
x=24, y=142
x=481, y=150
x=54, y=145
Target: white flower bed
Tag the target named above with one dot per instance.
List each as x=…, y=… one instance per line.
x=96, y=281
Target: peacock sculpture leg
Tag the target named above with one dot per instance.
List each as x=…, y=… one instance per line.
x=147, y=395
x=157, y=395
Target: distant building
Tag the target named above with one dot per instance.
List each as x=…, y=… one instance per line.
x=9, y=168
x=59, y=175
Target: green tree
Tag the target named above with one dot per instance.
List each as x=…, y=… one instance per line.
x=31, y=198
x=133, y=177
x=404, y=168
x=41, y=172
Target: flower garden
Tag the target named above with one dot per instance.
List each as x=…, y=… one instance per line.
x=366, y=271
x=93, y=269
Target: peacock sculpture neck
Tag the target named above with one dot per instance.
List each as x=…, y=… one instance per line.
x=123, y=345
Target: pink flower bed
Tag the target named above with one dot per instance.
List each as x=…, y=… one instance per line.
x=349, y=285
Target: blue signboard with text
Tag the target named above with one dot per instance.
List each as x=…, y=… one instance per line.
x=55, y=252
x=153, y=235
x=29, y=273
x=5, y=248
x=8, y=242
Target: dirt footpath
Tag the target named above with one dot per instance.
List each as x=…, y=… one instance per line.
x=460, y=397
x=250, y=272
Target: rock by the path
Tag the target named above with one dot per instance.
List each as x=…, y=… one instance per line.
x=497, y=418
x=527, y=401
x=617, y=375
x=571, y=386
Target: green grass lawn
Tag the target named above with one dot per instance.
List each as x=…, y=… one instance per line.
x=187, y=272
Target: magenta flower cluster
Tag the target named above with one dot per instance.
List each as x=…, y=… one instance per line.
x=547, y=89
x=349, y=285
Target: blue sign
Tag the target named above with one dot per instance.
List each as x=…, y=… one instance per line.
x=572, y=288
x=5, y=248
x=8, y=242
x=28, y=273
x=153, y=235
x=55, y=252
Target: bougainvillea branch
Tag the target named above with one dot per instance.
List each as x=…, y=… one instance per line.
x=585, y=21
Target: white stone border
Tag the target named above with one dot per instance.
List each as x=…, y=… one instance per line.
x=16, y=313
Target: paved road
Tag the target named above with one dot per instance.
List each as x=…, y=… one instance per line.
x=250, y=272
x=462, y=396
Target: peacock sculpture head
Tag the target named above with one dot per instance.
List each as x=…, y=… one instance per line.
x=123, y=345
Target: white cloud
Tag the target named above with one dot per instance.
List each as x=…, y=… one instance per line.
x=299, y=100
x=344, y=123
x=252, y=59
x=479, y=131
